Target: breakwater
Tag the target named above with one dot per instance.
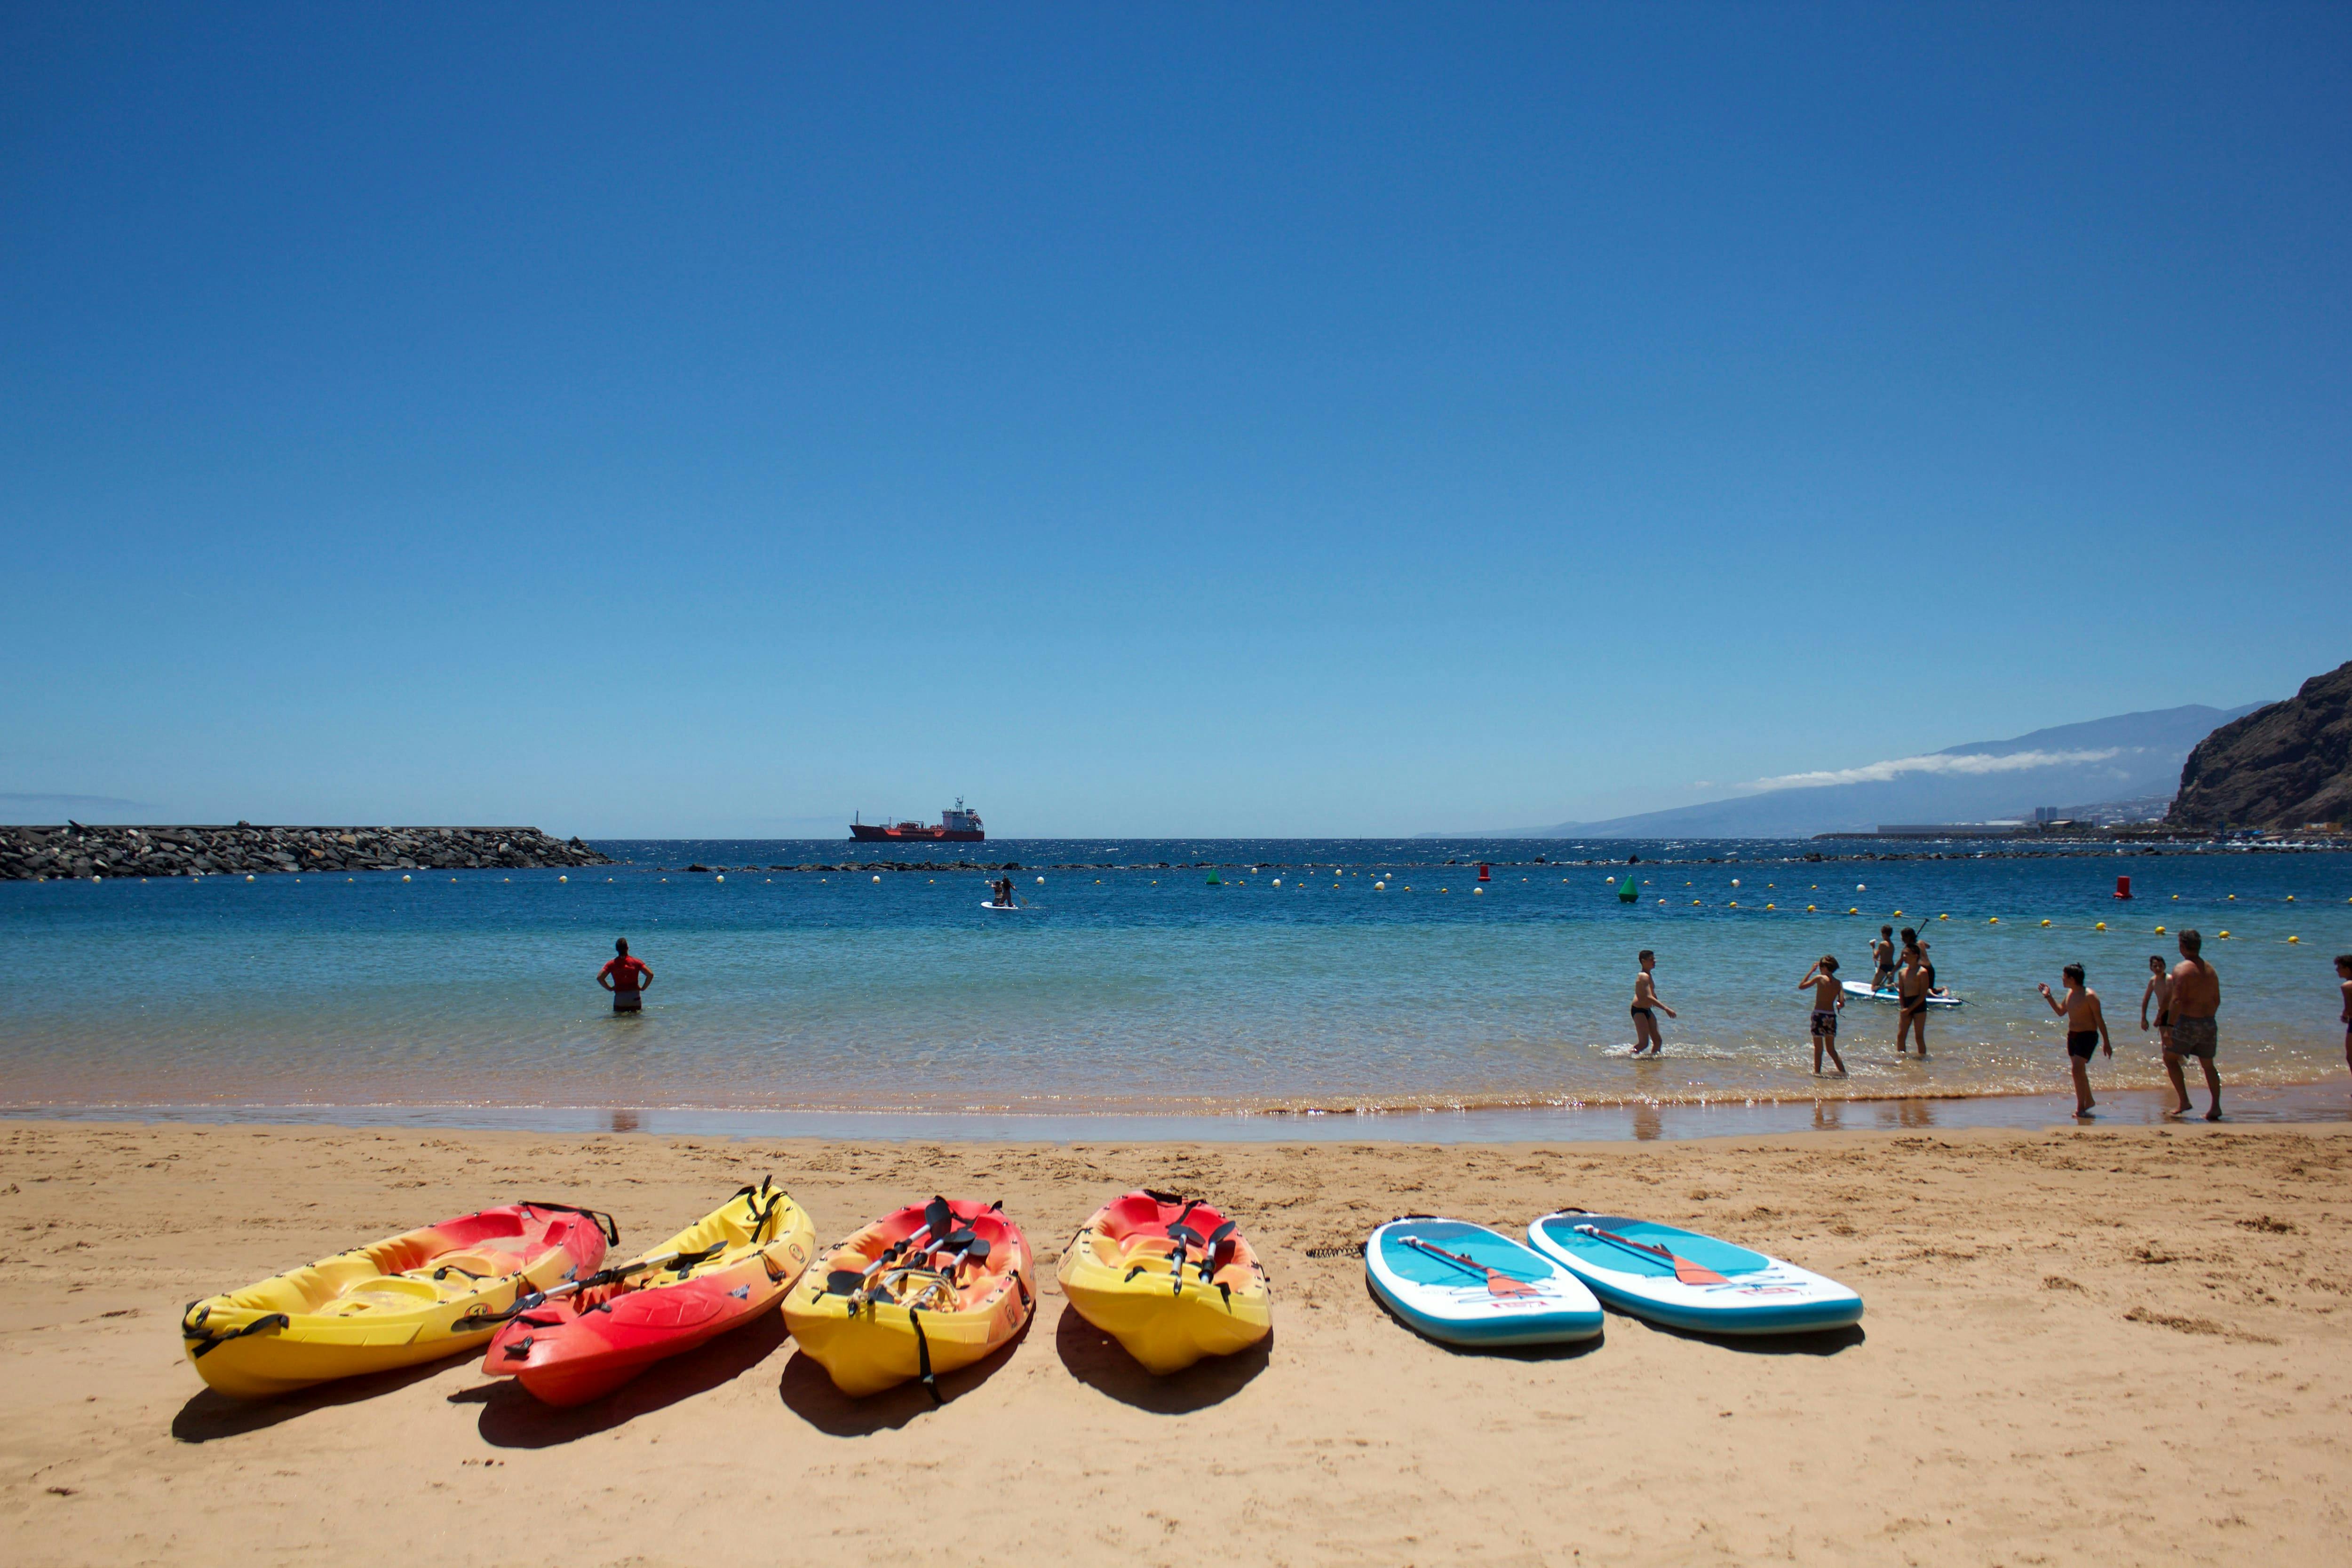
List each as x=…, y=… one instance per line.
x=76, y=851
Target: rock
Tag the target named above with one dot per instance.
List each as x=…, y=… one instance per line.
x=38, y=853
x=2284, y=766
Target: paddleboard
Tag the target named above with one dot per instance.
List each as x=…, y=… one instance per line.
x=1861, y=992
x=1004, y=908
x=1686, y=1280
x=1464, y=1284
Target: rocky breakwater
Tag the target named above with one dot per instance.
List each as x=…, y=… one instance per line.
x=73, y=850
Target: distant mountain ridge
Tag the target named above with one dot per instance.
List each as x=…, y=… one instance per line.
x=2126, y=756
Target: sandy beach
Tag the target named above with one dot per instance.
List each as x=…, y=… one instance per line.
x=2082, y=1346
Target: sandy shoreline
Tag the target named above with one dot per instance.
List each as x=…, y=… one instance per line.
x=2111, y=1345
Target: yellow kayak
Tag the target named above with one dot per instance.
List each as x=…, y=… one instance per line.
x=926, y=1290
x=408, y=1299
x=1172, y=1280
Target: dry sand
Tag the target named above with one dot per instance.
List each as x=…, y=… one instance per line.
x=2083, y=1346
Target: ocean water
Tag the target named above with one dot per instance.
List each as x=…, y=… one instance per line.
x=1129, y=988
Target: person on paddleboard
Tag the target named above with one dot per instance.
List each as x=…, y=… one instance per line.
x=1882, y=957
x=1646, y=1007
x=2086, y=1030
x=626, y=978
x=2196, y=997
x=1829, y=996
x=1000, y=892
x=1911, y=984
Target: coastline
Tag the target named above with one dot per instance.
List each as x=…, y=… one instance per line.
x=2103, y=1345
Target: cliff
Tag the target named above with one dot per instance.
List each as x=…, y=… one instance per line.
x=74, y=851
x=2279, y=766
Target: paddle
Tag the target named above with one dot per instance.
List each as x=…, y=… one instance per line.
x=1685, y=1272
x=1497, y=1282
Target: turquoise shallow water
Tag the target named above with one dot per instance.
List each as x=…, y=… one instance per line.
x=1127, y=992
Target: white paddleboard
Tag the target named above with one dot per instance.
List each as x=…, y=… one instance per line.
x=1686, y=1280
x=1432, y=1274
x=1004, y=908
x=1861, y=992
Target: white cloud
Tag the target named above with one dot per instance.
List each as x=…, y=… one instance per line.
x=1967, y=763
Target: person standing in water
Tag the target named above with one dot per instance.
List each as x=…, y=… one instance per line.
x=2344, y=974
x=2196, y=997
x=1911, y=986
x=1646, y=1007
x=1828, y=996
x=2159, y=991
x=2086, y=1030
x=626, y=978
x=1882, y=958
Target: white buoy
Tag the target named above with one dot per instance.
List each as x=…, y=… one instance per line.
x=102, y=879
x=563, y=879
x=1277, y=881
x=1041, y=881
x=403, y=876
x=1858, y=887
x=1734, y=881
x=723, y=879
x=1379, y=887
x=877, y=879
x=249, y=876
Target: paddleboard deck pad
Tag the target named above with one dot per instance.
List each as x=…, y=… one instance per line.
x=1464, y=1284
x=1862, y=993
x=1686, y=1280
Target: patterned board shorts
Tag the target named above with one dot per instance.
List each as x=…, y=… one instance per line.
x=2194, y=1036
x=1825, y=1022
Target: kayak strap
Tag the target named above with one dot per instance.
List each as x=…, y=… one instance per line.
x=923, y=1354
x=203, y=1343
x=604, y=1221
x=763, y=1218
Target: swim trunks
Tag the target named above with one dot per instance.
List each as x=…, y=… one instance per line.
x=2194, y=1036
x=1915, y=1005
x=1643, y=1013
x=2164, y=1017
x=1825, y=1021
x=2082, y=1042
x=628, y=1001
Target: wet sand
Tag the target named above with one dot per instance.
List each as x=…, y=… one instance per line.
x=2102, y=1345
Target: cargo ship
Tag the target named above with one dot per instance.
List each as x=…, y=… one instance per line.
x=956, y=826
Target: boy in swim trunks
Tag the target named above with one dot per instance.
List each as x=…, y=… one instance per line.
x=2086, y=1032
x=2159, y=991
x=2196, y=997
x=1645, y=999
x=626, y=978
x=1882, y=956
x=1828, y=996
x=1911, y=986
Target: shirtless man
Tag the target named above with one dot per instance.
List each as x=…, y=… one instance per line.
x=1646, y=1007
x=2344, y=973
x=1882, y=958
x=1911, y=985
x=1828, y=996
x=2159, y=991
x=2196, y=997
x=2086, y=1032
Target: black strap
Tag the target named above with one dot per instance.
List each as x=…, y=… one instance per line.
x=923, y=1354
x=1021, y=1285
x=604, y=1222
x=194, y=1329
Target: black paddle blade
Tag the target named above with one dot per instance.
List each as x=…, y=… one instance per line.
x=844, y=1281
x=939, y=1216
x=978, y=1252
x=961, y=1238
x=1222, y=1231
x=1183, y=1236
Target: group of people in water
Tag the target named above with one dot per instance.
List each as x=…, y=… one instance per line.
x=2185, y=997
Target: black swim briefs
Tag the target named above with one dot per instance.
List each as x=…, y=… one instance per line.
x=2082, y=1042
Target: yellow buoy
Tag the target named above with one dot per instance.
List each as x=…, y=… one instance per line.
x=2294, y=938
x=2225, y=933
x=1943, y=917
x=1898, y=914
x=1809, y=909
x=1772, y=907
x=1853, y=912
x=2103, y=925
x=2045, y=923
x=1994, y=920
x=2160, y=931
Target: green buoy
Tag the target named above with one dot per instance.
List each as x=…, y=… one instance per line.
x=1625, y=893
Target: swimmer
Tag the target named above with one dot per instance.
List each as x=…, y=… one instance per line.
x=1646, y=1007
x=1829, y=996
x=2086, y=1032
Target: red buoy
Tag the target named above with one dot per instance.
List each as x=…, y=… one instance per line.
x=2123, y=887
x=1485, y=872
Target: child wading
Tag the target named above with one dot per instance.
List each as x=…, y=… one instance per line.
x=1828, y=996
x=2086, y=1032
x=1646, y=1007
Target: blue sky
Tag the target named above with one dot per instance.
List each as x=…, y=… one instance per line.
x=1188, y=420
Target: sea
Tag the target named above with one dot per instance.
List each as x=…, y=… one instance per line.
x=1278, y=988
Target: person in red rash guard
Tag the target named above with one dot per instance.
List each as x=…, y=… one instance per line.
x=626, y=978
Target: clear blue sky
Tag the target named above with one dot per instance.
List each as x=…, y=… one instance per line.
x=1171, y=420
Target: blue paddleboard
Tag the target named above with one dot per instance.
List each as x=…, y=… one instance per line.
x=1862, y=993
x=1686, y=1280
x=1433, y=1274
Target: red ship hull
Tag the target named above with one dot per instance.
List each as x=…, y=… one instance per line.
x=868, y=833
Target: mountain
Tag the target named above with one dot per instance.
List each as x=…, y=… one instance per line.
x=2132, y=754
x=2279, y=766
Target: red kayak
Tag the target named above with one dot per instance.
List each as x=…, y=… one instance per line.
x=579, y=1341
